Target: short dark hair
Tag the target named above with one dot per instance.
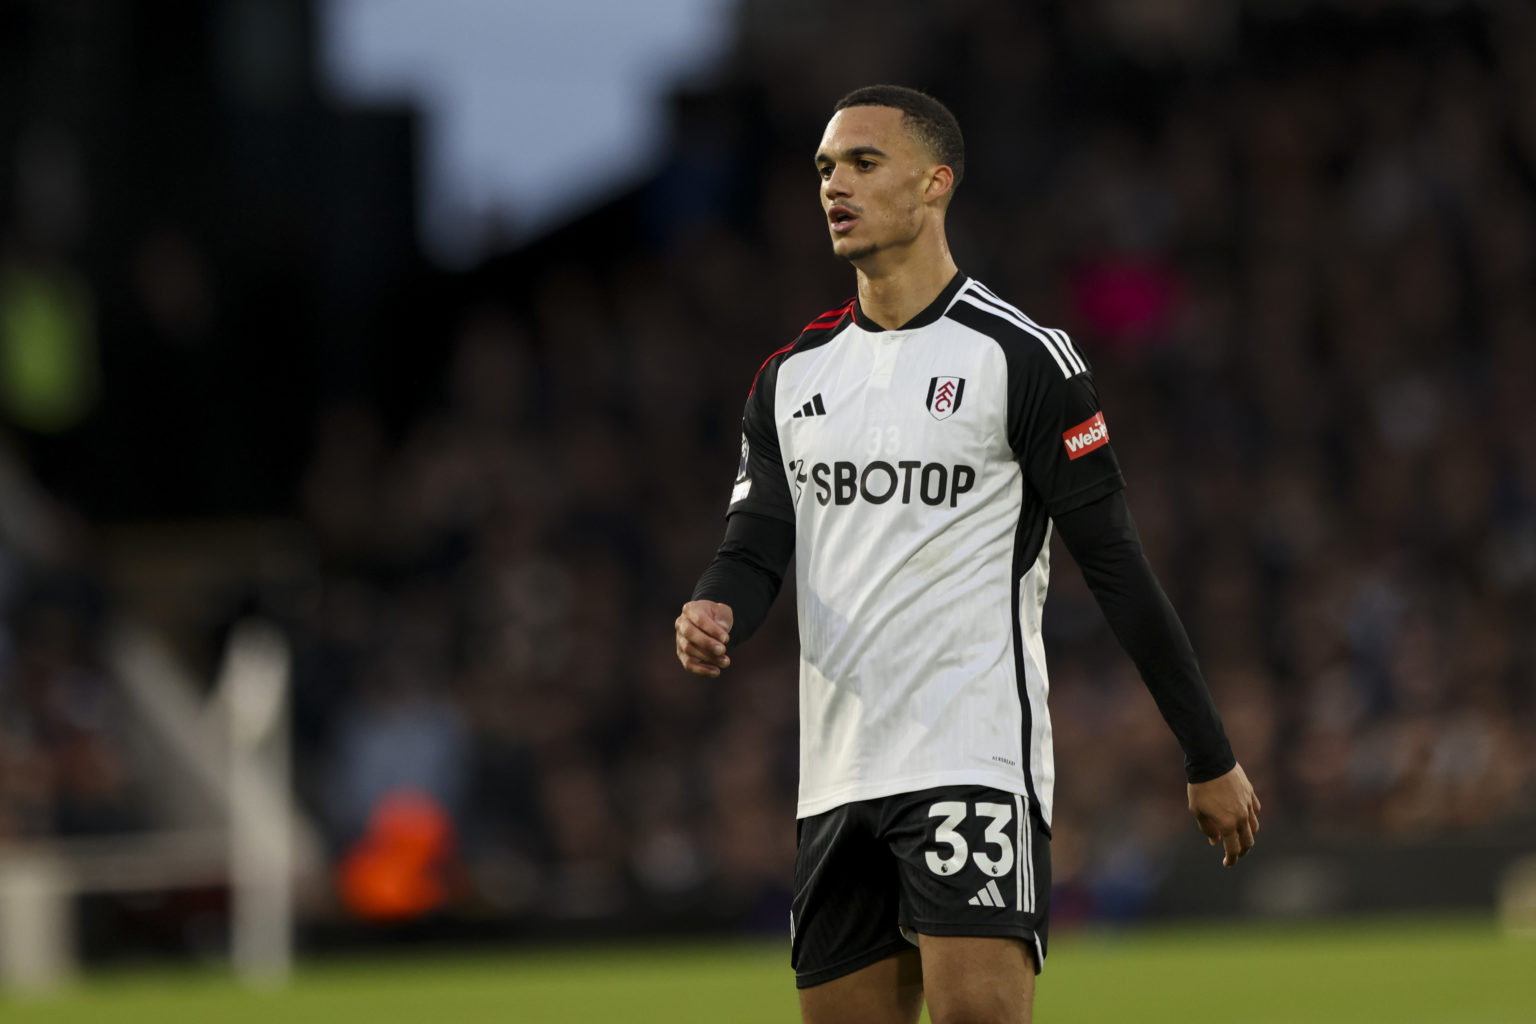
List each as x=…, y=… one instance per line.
x=925, y=117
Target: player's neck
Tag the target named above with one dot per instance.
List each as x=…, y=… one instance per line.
x=893, y=292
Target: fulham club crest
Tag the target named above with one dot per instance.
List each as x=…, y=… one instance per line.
x=944, y=394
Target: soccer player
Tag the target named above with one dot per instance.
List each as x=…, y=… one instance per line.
x=912, y=451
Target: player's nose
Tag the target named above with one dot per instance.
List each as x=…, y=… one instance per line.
x=836, y=185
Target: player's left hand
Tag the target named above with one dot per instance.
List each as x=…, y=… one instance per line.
x=703, y=631
x=1227, y=810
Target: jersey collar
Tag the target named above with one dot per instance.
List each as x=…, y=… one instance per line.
x=931, y=314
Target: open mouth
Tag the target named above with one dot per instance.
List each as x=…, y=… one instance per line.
x=842, y=219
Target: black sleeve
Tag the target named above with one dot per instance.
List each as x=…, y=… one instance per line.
x=762, y=486
x=1102, y=538
x=1061, y=440
x=748, y=570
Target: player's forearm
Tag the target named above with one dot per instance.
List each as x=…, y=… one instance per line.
x=1102, y=539
x=748, y=570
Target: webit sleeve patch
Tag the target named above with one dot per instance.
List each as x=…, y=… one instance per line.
x=1086, y=436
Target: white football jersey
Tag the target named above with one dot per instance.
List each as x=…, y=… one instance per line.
x=920, y=468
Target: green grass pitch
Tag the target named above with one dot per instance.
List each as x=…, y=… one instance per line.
x=1418, y=971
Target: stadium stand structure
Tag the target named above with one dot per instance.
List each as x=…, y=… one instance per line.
x=226, y=757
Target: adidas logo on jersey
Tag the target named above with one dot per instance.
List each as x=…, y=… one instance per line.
x=1086, y=436
x=987, y=896
x=811, y=408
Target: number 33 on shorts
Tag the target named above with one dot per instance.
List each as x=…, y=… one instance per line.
x=947, y=837
x=873, y=875
x=983, y=851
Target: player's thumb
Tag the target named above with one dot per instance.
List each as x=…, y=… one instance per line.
x=724, y=616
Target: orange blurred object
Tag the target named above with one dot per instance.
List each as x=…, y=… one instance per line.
x=396, y=871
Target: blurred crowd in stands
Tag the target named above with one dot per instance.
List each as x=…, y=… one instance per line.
x=64, y=769
x=1300, y=252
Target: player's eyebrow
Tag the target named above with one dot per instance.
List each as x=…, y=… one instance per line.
x=824, y=157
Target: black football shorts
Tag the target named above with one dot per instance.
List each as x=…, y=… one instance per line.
x=873, y=875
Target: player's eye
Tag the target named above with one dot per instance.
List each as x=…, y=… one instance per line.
x=866, y=165
x=825, y=170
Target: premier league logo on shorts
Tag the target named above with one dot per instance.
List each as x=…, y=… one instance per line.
x=944, y=394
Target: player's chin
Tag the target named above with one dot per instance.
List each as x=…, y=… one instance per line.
x=849, y=250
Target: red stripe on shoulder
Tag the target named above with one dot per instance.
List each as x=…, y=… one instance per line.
x=827, y=320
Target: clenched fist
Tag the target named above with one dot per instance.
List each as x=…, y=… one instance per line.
x=703, y=630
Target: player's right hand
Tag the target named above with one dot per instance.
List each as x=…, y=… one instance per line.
x=703, y=630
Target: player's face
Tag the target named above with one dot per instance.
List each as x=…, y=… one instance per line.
x=873, y=177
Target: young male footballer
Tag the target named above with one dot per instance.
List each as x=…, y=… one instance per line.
x=912, y=450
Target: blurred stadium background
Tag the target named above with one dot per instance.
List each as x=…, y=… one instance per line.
x=369, y=384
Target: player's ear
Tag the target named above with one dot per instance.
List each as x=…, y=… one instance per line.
x=940, y=181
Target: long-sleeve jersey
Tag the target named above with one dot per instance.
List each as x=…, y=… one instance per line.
x=914, y=476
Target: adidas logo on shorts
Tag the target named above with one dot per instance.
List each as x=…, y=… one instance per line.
x=987, y=896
